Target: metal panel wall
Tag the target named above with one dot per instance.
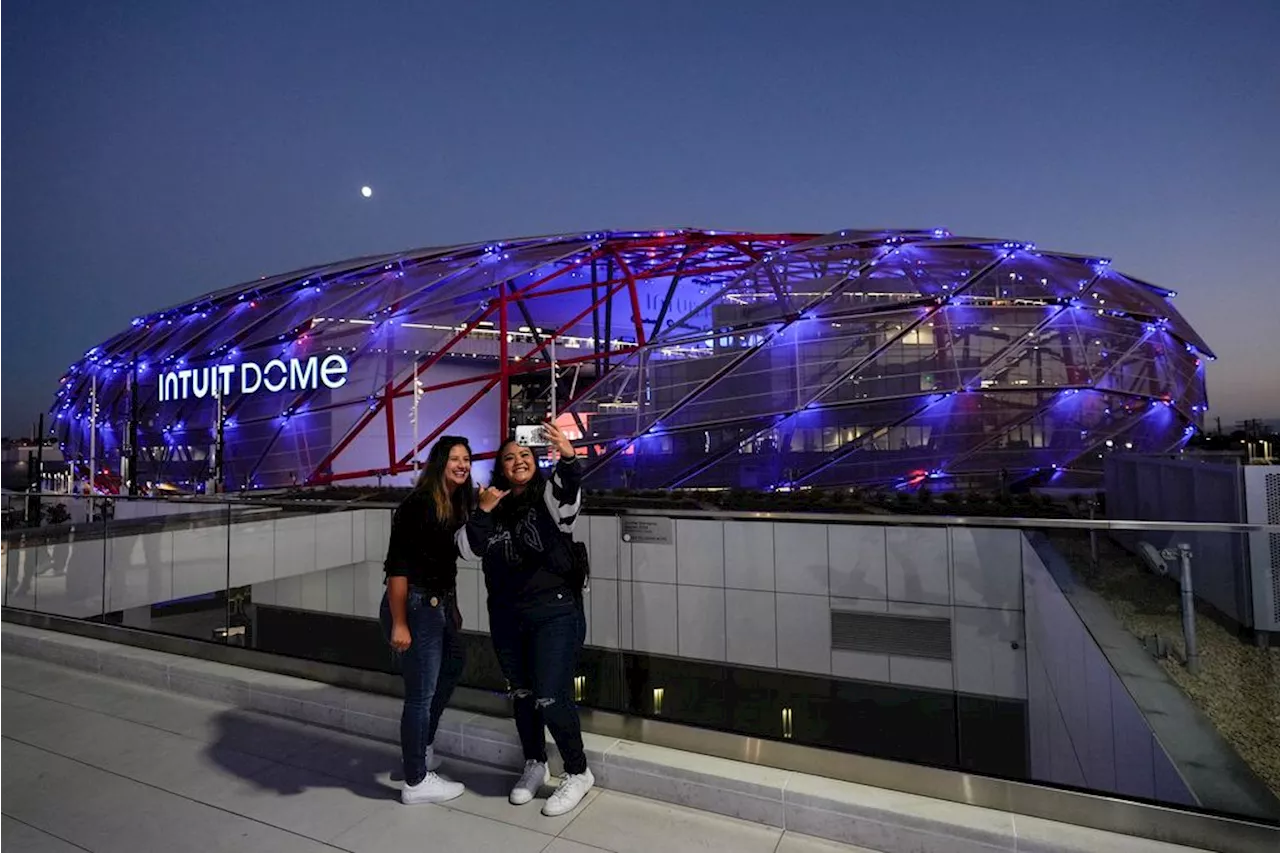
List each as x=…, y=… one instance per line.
x=1160, y=489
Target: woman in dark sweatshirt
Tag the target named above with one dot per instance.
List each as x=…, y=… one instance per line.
x=419, y=613
x=521, y=532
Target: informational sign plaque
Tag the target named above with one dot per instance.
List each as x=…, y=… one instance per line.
x=650, y=531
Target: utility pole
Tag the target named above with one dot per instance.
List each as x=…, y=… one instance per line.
x=554, y=380
x=35, y=474
x=131, y=433
x=417, y=398
x=93, y=434
x=219, y=438
x=133, y=427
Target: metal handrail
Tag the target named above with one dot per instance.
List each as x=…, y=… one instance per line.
x=895, y=520
x=884, y=520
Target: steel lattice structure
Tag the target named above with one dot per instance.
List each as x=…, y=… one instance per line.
x=682, y=358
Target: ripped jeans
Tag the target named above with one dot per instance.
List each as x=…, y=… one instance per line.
x=537, y=647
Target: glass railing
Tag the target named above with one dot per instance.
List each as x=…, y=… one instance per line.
x=1046, y=651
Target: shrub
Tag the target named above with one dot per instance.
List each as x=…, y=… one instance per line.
x=56, y=514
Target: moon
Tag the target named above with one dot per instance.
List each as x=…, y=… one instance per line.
x=366, y=191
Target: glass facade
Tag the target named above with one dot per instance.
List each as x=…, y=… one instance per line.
x=684, y=358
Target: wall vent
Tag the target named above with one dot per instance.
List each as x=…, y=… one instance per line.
x=891, y=634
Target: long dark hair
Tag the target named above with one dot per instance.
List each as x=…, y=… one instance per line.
x=514, y=506
x=451, y=511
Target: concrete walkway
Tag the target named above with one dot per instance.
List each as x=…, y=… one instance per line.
x=90, y=763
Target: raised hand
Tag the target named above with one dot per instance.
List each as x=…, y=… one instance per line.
x=558, y=440
x=489, y=498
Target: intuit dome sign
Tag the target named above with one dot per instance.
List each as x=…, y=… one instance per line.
x=224, y=380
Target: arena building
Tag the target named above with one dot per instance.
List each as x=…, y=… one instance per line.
x=685, y=358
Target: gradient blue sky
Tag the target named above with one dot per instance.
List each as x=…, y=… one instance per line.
x=153, y=151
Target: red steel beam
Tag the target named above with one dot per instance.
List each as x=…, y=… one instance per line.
x=654, y=272
x=470, y=327
x=470, y=380
x=527, y=366
x=610, y=246
x=585, y=259
x=342, y=445
x=449, y=421
x=504, y=365
x=609, y=294
x=390, y=408
x=521, y=367
x=474, y=324
x=635, y=295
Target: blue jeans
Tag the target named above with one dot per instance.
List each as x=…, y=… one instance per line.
x=431, y=667
x=537, y=646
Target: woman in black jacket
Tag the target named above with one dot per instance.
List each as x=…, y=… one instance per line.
x=521, y=531
x=419, y=614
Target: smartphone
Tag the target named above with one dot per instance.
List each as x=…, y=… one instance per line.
x=532, y=436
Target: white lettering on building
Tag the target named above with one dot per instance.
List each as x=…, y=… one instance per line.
x=300, y=378
x=333, y=372
x=275, y=387
x=225, y=371
x=276, y=375
x=245, y=387
x=200, y=389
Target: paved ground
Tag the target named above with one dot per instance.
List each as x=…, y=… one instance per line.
x=94, y=764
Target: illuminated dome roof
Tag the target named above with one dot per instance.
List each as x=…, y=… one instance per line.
x=683, y=358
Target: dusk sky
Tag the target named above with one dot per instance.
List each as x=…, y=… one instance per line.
x=153, y=151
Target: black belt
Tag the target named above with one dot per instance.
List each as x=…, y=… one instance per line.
x=435, y=597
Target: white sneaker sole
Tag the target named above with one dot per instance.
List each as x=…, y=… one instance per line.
x=423, y=799
x=548, y=811
x=413, y=798
x=523, y=796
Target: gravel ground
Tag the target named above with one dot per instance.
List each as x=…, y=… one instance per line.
x=1238, y=686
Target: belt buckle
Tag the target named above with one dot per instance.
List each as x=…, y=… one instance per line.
x=435, y=602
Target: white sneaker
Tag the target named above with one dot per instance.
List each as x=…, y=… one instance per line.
x=535, y=775
x=573, y=787
x=432, y=789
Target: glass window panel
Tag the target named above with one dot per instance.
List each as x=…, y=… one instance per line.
x=761, y=383
x=1029, y=431
x=1116, y=291
x=942, y=271
x=803, y=443
x=615, y=408
x=670, y=459
x=777, y=287
x=1028, y=277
